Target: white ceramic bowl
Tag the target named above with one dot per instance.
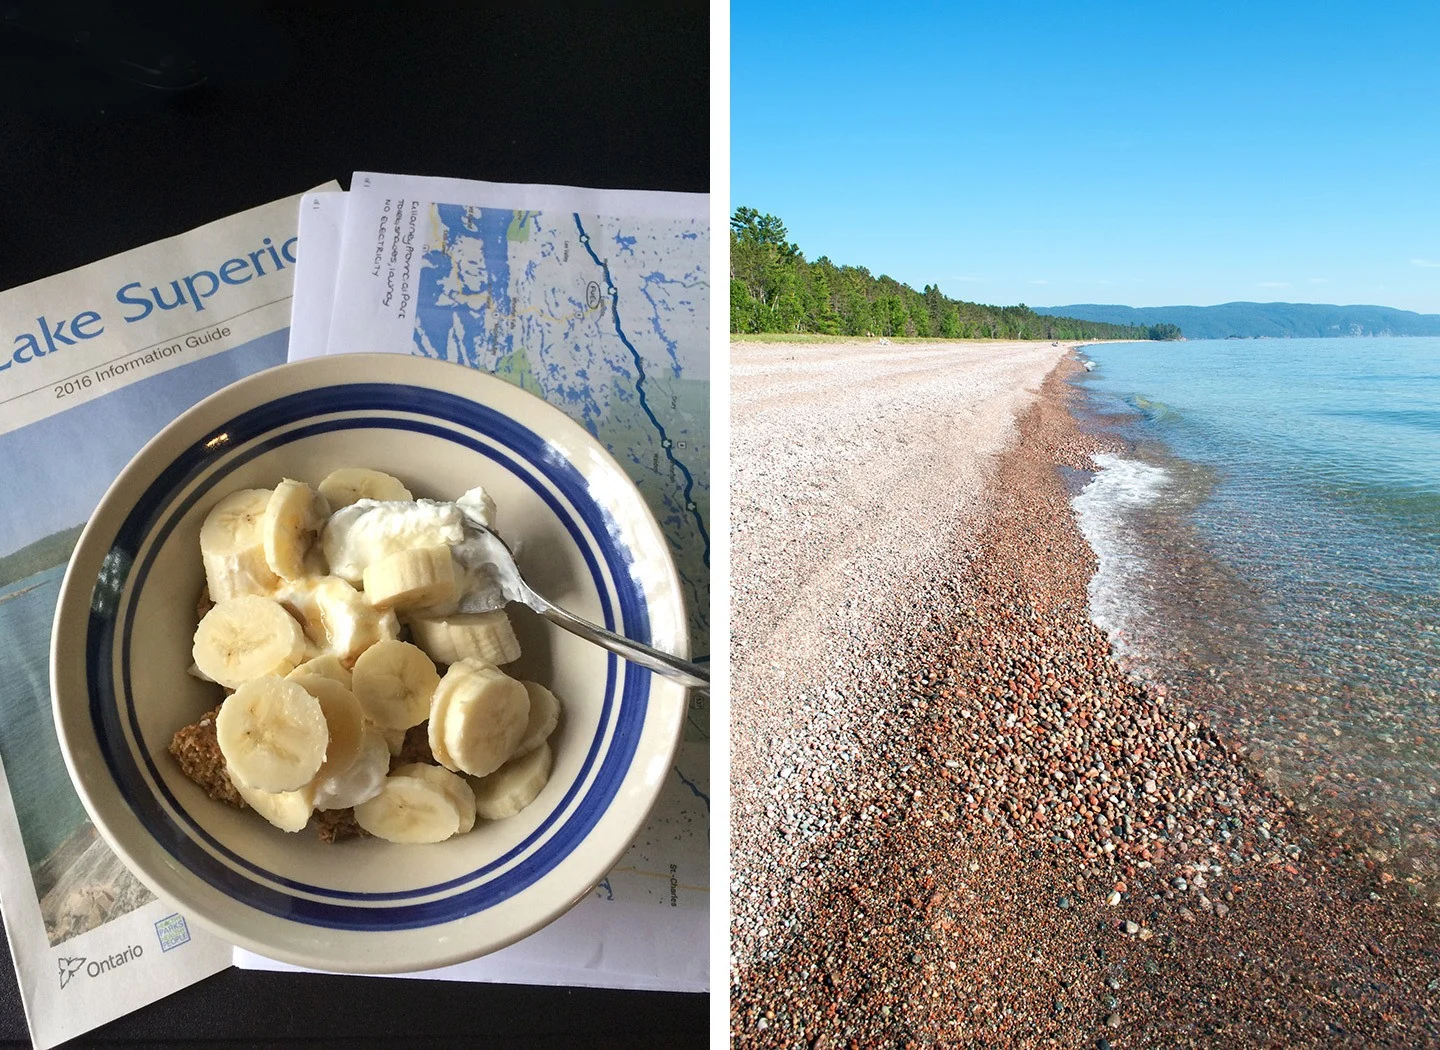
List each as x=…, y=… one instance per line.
x=126, y=614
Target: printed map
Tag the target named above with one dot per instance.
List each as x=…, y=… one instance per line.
x=607, y=319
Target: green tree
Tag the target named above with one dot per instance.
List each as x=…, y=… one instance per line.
x=742, y=308
x=950, y=323
x=920, y=322
x=764, y=231
x=934, y=308
x=789, y=312
x=856, y=317
x=820, y=313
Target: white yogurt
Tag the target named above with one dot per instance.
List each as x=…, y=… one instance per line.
x=361, y=534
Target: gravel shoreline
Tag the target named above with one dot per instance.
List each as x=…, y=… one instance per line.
x=963, y=823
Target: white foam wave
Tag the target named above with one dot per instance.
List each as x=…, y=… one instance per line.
x=1104, y=512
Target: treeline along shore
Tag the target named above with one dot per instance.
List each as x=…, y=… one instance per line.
x=774, y=289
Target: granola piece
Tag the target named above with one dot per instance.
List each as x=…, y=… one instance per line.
x=203, y=604
x=333, y=825
x=197, y=749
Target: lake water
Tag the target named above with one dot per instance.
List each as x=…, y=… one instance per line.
x=1271, y=542
x=46, y=803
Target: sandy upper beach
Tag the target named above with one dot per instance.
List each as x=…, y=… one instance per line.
x=853, y=465
x=955, y=819
x=829, y=441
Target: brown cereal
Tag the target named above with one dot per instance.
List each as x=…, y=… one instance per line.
x=416, y=747
x=333, y=825
x=197, y=750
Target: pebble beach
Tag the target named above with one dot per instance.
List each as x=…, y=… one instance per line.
x=958, y=818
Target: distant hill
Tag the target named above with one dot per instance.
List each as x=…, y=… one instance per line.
x=1251, y=320
x=45, y=553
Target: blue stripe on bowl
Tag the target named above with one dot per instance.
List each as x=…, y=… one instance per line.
x=370, y=911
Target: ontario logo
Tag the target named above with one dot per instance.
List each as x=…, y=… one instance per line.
x=72, y=965
x=69, y=968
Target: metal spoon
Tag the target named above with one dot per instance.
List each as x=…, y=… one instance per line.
x=510, y=586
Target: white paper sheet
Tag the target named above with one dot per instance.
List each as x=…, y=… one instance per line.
x=588, y=947
x=322, y=218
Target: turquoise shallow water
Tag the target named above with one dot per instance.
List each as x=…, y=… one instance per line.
x=48, y=808
x=1272, y=536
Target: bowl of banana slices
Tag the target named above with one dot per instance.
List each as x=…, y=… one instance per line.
x=289, y=703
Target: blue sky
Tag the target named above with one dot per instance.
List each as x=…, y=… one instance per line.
x=1137, y=153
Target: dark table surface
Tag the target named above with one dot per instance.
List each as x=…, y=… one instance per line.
x=93, y=163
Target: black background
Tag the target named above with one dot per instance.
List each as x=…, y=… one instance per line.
x=96, y=158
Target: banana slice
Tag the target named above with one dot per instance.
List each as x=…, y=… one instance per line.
x=544, y=717
x=273, y=734
x=420, y=577
x=315, y=561
x=394, y=739
x=409, y=809
x=457, y=789
x=245, y=638
x=480, y=636
x=514, y=785
x=232, y=549
x=337, y=617
x=327, y=665
x=477, y=718
x=394, y=682
x=349, y=484
x=362, y=781
x=344, y=720
x=352, y=624
x=287, y=810
x=293, y=515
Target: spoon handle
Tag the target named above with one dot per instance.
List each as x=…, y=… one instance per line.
x=684, y=672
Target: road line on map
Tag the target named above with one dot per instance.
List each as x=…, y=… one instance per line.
x=665, y=442
x=692, y=786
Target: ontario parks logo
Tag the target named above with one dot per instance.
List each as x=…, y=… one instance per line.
x=172, y=932
x=69, y=968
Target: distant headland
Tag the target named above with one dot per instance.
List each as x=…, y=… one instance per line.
x=1259, y=320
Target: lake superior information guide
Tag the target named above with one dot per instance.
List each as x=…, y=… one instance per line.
x=93, y=363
